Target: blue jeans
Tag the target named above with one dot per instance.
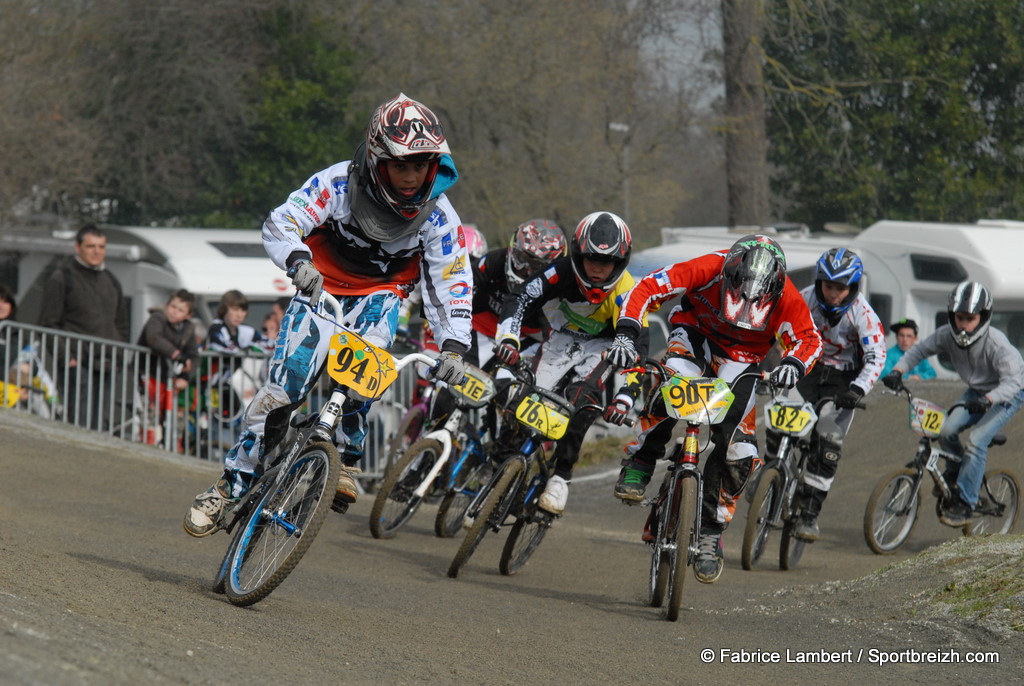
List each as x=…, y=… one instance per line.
x=975, y=448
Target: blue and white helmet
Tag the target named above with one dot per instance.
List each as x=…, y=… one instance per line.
x=841, y=266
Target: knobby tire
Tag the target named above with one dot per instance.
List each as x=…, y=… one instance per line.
x=1000, y=486
x=892, y=511
x=755, y=535
x=685, y=536
x=491, y=508
x=395, y=503
x=265, y=553
x=452, y=509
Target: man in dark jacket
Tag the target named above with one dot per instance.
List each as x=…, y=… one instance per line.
x=83, y=297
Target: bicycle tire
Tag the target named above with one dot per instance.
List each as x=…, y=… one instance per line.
x=892, y=511
x=1000, y=487
x=409, y=430
x=504, y=487
x=685, y=535
x=268, y=548
x=395, y=503
x=524, y=538
x=755, y=534
x=452, y=509
x=791, y=549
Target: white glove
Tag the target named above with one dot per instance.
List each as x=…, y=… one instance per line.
x=450, y=368
x=307, y=279
x=785, y=375
x=622, y=352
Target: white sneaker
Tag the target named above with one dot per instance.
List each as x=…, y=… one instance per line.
x=554, y=496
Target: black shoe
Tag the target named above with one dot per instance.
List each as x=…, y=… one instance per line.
x=956, y=514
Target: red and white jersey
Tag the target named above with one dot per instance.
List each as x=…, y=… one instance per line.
x=857, y=341
x=699, y=282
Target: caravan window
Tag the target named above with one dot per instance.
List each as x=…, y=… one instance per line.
x=933, y=268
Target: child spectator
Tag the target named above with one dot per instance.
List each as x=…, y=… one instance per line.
x=906, y=336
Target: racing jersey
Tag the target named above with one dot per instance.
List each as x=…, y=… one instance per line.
x=317, y=221
x=490, y=290
x=555, y=292
x=855, y=342
x=699, y=283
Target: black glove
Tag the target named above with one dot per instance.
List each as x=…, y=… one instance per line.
x=893, y=380
x=978, y=405
x=450, y=368
x=622, y=352
x=848, y=399
x=307, y=279
x=785, y=375
x=617, y=412
x=508, y=351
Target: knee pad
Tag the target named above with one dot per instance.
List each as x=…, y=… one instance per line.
x=830, y=439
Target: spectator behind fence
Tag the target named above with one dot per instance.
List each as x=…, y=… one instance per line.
x=171, y=335
x=82, y=296
x=8, y=305
x=906, y=336
x=229, y=333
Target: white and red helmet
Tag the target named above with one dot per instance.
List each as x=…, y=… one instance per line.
x=602, y=237
x=403, y=129
x=535, y=244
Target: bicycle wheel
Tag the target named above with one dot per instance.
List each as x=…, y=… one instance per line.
x=660, y=562
x=891, y=512
x=283, y=524
x=526, y=534
x=755, y=535
x=396, y=502
x=791, y=549
x=998, y=504
x=490, y=514
x=408, y=431
x=453, y=506
x=685, y=535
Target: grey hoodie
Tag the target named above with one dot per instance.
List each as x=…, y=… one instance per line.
x=991, y=365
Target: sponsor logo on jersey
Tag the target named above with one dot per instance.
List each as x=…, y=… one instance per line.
x=446, y=244
x=456, y=268
x=460, y=289
x=534, y=288
x=462, y=314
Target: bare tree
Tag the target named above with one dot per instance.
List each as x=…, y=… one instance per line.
x=746, y=143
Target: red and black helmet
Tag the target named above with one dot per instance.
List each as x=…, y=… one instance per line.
x=535, y=244
x=602, y=237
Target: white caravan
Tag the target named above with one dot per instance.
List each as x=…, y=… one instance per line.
x=152, y=263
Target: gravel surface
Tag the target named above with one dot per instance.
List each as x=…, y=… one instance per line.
x=99, y=585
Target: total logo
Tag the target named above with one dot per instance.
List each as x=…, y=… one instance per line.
x=460, y=289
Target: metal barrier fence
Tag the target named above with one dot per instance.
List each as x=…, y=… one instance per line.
x=123, y=390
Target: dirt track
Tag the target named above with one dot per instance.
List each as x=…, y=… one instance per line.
x=99, y=585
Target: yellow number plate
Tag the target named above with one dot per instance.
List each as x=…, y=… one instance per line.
x=698, y=398
x=477, y=387
x=356, y=363
x=926, y=417
x=788, y=419
x=535, y=413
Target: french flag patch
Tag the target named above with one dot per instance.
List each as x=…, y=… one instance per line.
x=661, y=278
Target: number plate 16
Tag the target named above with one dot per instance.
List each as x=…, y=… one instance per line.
x=356, y=363
x=536, y=413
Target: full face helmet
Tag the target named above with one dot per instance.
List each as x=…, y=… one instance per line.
x=535, y=244
x=753, y=276
x=841, y=266
x=475, y=241
x=602, y=237
x=970, y=297
x=403, y=129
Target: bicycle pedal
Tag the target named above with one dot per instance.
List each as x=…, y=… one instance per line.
x=339, y=506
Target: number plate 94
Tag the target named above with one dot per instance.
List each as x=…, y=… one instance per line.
x=357, y=364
